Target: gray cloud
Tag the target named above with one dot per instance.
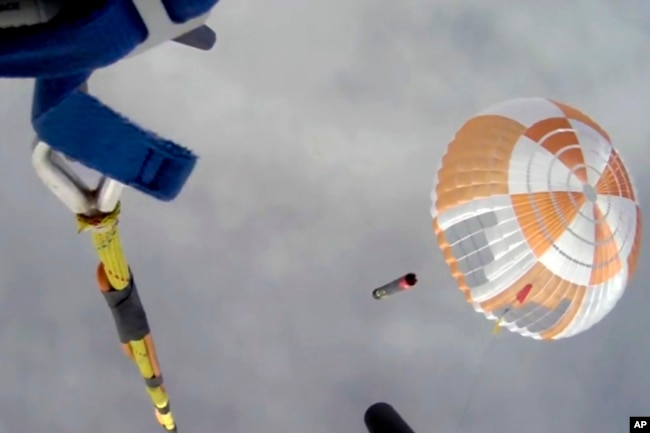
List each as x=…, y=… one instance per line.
x=320, y=126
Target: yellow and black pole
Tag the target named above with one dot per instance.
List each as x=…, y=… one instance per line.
x=118, y=286
x=97, y=211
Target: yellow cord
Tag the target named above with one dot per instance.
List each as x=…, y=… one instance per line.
x=497, y=326
x=106, y=239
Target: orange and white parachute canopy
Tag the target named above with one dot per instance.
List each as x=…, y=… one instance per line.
x=531, y=196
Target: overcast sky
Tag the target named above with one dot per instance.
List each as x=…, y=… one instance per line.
x=319, y=125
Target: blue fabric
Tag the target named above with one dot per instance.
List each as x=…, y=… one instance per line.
x=62, y=54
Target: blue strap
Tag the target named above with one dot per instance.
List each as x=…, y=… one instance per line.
x=62, y=54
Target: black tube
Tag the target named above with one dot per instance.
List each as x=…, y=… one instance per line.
x=383, y=418
x=395, y=286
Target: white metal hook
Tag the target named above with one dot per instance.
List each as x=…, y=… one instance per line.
x=69, y=188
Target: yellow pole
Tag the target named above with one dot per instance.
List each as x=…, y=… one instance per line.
x=118, y=287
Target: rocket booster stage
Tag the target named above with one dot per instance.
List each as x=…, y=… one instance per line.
x=399, y=285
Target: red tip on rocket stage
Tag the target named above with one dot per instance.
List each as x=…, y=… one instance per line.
x=409, y=280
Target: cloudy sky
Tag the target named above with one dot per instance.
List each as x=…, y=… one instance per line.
x=319, y=126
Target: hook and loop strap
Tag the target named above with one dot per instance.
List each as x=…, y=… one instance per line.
x=63, y=53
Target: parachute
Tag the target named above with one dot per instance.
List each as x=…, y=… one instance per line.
x=537, y=218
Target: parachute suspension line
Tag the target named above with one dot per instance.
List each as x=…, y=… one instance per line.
x=117, y=284
x=523, y=371
x=475, y=382
x=526, y=365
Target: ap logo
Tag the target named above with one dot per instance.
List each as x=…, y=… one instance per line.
x=639, y=423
